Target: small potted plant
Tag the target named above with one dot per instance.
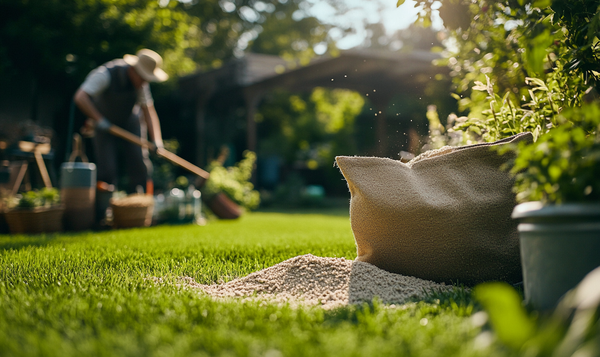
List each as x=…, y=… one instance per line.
x=229, y=190
x=37, y=211
x=558, y=180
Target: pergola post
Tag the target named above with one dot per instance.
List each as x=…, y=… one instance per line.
x=200, y=115
x=252, y=98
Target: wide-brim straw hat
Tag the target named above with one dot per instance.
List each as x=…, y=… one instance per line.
x=147, y=64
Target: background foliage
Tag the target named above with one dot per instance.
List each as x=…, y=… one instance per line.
x=523, y=65
x=66, y=39
x=75, y=36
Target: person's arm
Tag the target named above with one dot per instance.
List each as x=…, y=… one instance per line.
x=153, y=124
x=96, y=82
x=85, y=104
x=150, y=116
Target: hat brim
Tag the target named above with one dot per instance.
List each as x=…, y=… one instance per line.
x=131, y=60
x=157, y=76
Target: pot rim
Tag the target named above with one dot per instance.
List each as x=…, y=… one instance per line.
x=78, y=166
x=538, y=209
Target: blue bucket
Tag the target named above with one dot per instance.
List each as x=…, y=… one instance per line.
x=78, y=174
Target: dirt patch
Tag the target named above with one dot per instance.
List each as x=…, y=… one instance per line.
x=329, y=282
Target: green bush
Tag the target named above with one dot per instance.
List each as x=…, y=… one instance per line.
x=527, y=66
x=46, y=197
x=564, y=164
x=234, y=181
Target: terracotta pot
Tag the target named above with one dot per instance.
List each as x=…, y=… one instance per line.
x=223, y=207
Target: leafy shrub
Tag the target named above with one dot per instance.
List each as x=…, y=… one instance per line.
x=234, y=181
x=46, y=197
x=505, y=117
x=564, y=164
x=542, y=57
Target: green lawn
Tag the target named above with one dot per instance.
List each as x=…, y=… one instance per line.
x=88, y=294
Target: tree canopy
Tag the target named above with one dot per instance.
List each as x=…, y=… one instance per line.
x=68, y=38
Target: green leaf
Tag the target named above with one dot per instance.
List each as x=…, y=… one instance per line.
x=507, y=315
x=455, y=96
x=542, y=3
x=537, y=83
x=400, y=2
x=537, y=52
x=479, y=86
x=554, y=171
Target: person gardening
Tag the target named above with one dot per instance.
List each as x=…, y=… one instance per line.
x=118, y=93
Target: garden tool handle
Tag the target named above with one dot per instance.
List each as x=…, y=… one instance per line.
x=162, y=152
x=134, y=139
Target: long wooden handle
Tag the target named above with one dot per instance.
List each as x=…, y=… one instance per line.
x=182, y=162
x=134, y=139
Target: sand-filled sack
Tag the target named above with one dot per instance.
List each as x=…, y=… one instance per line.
x=444, y=216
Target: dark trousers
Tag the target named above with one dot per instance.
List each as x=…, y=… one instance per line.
x=115, y=155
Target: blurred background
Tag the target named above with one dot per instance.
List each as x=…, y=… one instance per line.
x=297, y=82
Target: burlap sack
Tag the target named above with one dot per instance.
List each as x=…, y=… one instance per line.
x=444, y=216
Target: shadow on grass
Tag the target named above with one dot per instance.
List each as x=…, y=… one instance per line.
x=337, y=212
x=22, y=241
x=17, y=242
x=345, y=314
x=458, y=300
x=329, y=206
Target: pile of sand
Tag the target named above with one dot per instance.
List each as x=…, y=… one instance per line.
x=329, y=282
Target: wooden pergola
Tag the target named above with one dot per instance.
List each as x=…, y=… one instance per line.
x=378, y=75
